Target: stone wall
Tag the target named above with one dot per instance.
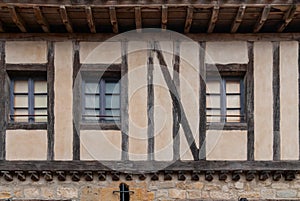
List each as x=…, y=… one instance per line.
x=152, y=190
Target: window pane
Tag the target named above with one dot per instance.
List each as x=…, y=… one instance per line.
x=232, y=86
x=40, y=86
x=112, y=101
x=112, y=87
x=114, y=115
x=91, y=115
x=233, y=116
x=40, y=118
x=213, y=86
x=213, y=115
x=40, y=101
x=92, y=101
x=213, y=101
x=92, y=87
x=21, y=118
x=233, y=101
x=21, y=86
x=21, y=101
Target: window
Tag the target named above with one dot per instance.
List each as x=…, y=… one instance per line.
x=225, y=99
x=101, y=100
x=28, y=99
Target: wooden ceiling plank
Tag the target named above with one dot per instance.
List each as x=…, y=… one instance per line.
x=113, y=19
x=262, y=19
x=287, y=18
x=90, y=19
x=213, y=19
x=164, y=16
x=238, y=19
x=65, y=19
x=41, y=20
x=189, y=19
x=17, y=19
x=138, y=17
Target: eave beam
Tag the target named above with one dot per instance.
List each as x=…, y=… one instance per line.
x=138, y=17
x=189, y=19
x=65, y=19
x=263, y=18
x=41, y=19
x=113, y=19
x=238, y=19
x=17, y=19
x=213, y=19
x=164, y=16
x=90, y=19
x=287, y=18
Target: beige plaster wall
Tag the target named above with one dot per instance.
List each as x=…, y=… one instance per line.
x=189, y=90
x=18, y=52
x=137, y=94
x=163, y=146
x=63, y=124
x=263, y=101
x=26, y=144
x=226, y=145
x=226, y=52
x=97, y=52
x=100, y=145
x=289, y=130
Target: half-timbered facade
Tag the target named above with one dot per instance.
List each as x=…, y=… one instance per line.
x=149, y=100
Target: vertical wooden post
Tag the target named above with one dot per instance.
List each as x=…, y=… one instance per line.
x=124, y=100
x=299, y=94
x=3, y=101
x=276, y=102
x=250, y=104
x=176, y=116
x=76, y=101
x=202, y=102
x=150, y=102
x=50, y=87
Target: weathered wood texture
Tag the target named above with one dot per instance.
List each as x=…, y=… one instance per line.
x=90, y=19
x=189, y=19
x=17, y=19
x=50, y=100
x=276, y=102
x=65, y=19
x=150, y=102
x=3, y=101
x=41, y=20
x=113, y=19
x=238, y=19
x=262, y=19
x=250, y=104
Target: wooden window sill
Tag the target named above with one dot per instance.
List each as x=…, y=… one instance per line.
x=227, y=126
x=100, y=126
x=26, y=126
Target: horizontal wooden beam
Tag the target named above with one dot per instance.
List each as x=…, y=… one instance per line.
x=262, y=19
x=113, y=19
x=41, y=20
x=189, y=19
x=238, y=19
x=99, y=37
x=65, y=19
x=144, y=166
x=17, y=19
x=90, y=19
x=226, y=67
x=145, y=2
x=213, y=19
x=26, y=67
x=287, y=18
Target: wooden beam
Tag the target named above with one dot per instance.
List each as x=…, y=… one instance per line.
x=250, y=103
x=188, y=19
x=287, y=18
x=174, y=95
x=202, y=102
x=138, y=17
x=124, y=101
x=150, y=102
x=17, y=19
x=1, y=27
x=113, y=19
x=262, y=19
x=276, y=101
x=213, y=19
x=299, y=96
x=175, y=112
x=164, y=16
x=238, y=19
x=90, y=19
x=41, y=20
x=3, y=102
x=65, y=19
